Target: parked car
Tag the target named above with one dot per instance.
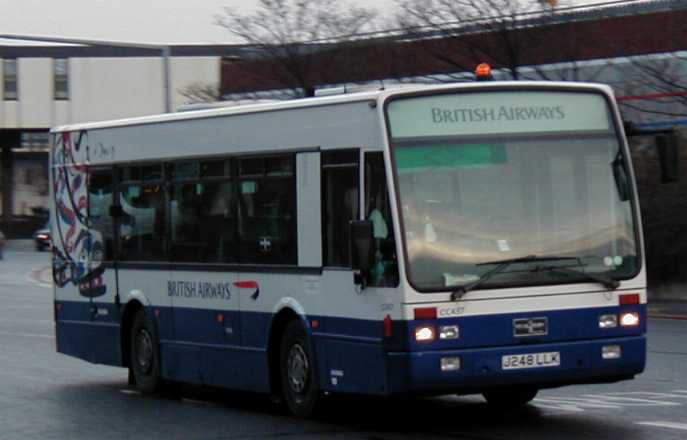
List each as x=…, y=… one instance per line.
x=42, y=238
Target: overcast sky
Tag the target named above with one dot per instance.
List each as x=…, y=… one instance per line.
x=153, y=21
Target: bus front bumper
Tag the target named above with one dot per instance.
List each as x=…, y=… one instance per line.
x=579, y=362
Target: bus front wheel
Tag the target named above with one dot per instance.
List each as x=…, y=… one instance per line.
x=144, y=363
x=510, y=397
x=297, y=371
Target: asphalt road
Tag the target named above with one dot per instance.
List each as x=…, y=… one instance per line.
x=45, y=395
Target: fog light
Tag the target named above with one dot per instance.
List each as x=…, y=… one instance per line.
x=629, y=319
x=611, y=352
x=450, y=364
x=448, y=332
x=608, y=321
x=425, y=333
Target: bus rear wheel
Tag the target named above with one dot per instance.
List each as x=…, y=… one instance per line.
x=510, y=397
x=144, y=363
x=297, y=372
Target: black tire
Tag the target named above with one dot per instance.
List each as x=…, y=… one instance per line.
x=510, y=397
x=145, y=354
x=300, y=390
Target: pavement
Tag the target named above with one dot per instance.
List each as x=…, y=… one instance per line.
x=661, y=309
x=663, y=304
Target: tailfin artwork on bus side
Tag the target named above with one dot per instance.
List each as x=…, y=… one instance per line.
x=76, y=245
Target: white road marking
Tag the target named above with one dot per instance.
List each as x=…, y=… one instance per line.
x=611, y=401
x=675, y=394
x=32, y=277
x=630, y=401
x=198, y=402
x=36, y=307
x=128, y=391
x=27, y=321
x=27, y=335
x=29, y=379
x=669, y=425
x=573, y=404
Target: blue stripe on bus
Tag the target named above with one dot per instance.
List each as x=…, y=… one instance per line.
x=580, y=362
x=352, y=354
x=94, y=342
x=563, y=325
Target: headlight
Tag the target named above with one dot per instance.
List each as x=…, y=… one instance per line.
x=629, y=319
x=450, y=363
x=611, y=352
x=608, y=321
x=449, y=332
x=425, y=333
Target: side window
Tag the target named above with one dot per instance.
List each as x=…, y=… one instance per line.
x=143, y=224
x=61, y=78
x=340, y=200
x=377, y=210
x=202, y=212
x=266, y=210
x=100, y=187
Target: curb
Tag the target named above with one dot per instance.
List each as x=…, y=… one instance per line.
x=658, y=315
x=41, y=276
x=45, y=275
x=658, y=311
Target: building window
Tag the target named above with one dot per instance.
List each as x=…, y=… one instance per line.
x=61, y=78
x=9, y=76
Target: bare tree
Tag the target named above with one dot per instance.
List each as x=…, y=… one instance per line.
x=654, y=85
x=463, y=33
x=200, y=92
x=296, y=39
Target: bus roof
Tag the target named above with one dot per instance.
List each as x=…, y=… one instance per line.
x=377, y=95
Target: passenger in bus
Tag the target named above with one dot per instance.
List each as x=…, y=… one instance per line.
x=384, y=271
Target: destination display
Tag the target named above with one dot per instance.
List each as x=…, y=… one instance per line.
x=497, y=113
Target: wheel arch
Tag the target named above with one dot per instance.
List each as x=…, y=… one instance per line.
x=130, y=309
x=277, y=327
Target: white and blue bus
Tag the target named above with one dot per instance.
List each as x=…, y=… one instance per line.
x=473, y=238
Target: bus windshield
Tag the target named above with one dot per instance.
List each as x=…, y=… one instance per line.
x=488, y=177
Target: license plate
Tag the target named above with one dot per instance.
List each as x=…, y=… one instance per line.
x=531, y=360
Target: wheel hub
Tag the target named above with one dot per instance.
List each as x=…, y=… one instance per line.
x=298, y=368
x=144, y=350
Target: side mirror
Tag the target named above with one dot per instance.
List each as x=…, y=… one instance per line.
x=362, y=245
x=622, y=181
x=668, y=157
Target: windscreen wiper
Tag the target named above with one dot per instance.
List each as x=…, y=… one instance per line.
x=501, y=266
x=608, y=282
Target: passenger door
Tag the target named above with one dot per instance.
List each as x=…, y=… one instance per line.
x=353, y=324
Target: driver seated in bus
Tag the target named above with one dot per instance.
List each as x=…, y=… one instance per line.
x=383, y=271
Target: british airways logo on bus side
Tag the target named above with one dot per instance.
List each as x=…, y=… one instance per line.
x=199, y=289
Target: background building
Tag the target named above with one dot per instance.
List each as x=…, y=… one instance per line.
x=42, y=86
x=639, y=48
